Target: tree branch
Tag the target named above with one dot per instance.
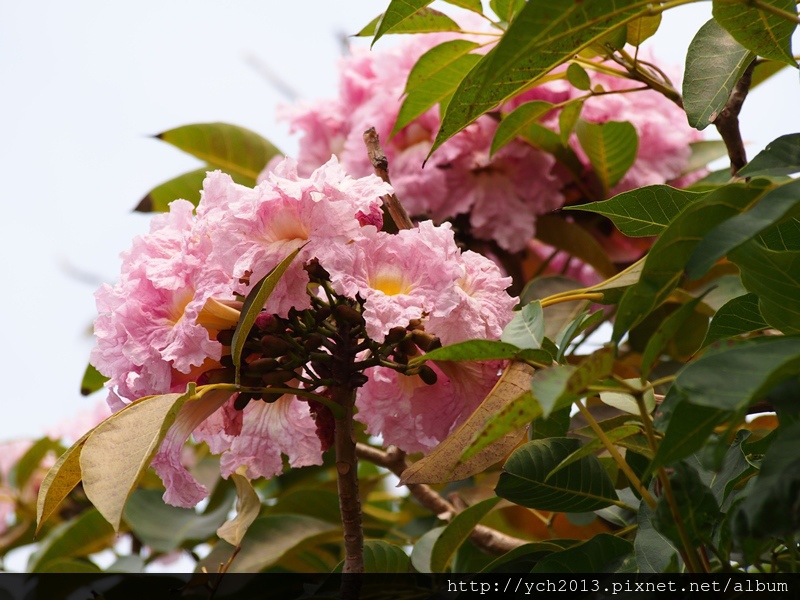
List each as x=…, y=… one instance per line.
x=487, y=539
x=727, y=122
x=395, y=216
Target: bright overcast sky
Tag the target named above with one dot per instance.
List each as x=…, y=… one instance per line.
x=85, y=84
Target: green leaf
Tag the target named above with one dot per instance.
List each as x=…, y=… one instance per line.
x=109, y=476
x=552, y=387
x=165, y=528
x=183, y=187
x=434, y=78
x=581, y=487
x=506, y=10
x=69, y=565
x=567, y=120
x=253, y=305
x=60, y=480
x=642, y=29
x=760, y=31
x=86, y=534
x=571, y=237
x=481, y=350
x=723, y=478
x=526, y=329
x=665, y=332
x=233, y=149
x=775, y=278
x=764, y=70
x=704, y=152
x=423, y=550
x=578, y=77
x=92, y=380
x=556, y=425
x=654, y=551
x=542, y=36
x=687, y=427
x=604, y=553
x=771, y=508
x=715, y=61
x=735, y=376
x=611, y=148
x=592, y=446
x=785, y=236
x=574, y=328
x=644, y=211
x=518, y=121
x=30, y=461
x=739, y=315
x=523, y=558
x=456, y=533
x=383, y=557
x=267, y=540
x=473, y=5
x=780, y=157
x=774, y=207
x=401, y=15
x=695, y=504
x=664, y=264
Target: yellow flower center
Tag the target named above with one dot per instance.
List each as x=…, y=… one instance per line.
x=177, y=307
x=391, y=281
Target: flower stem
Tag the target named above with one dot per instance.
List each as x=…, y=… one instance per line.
x=347, y=476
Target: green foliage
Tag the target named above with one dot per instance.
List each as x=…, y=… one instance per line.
x=580, y=487
x=760, y=31
x=542, y=36
x=714, y=63
x=662, y=465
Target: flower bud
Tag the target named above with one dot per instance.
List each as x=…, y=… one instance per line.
x=277, y=377
x=242, y=400
x=395, y=335
x=225, y=337
x=427, y=375
x=272, y=346
x=348, y=314
x=425, y=341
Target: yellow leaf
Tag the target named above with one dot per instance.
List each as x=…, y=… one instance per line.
x=119, y=450
x=444, y=462
x=248, y=505
x=59, y=482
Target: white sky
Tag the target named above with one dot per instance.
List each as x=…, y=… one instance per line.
x=84, y=85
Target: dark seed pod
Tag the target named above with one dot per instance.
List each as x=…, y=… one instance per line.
x=277, y=377
x=226, y=361
x=348, y=314
x=357, y=380
x=427, y=375
x=316, y=272
x=242, y=400
x=395, y=335
x=262, y=365
x=313, y=342
x=425, y=341
x=408, y=347
x=321, y=369
x=322, y=313
x=225, y=337
x=270, y=398
x=272, y=346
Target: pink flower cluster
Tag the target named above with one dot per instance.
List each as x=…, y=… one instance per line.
x=501, y=195
x=157, y=326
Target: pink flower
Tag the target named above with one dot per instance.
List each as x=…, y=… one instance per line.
x=414, y=416
x=502, y=194
x=148, y=321
x=401, y=277
x=252, y=230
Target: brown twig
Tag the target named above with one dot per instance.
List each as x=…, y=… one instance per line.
x=487, y=539
x=346, y=471
x=394, y=215
x=727, y=122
